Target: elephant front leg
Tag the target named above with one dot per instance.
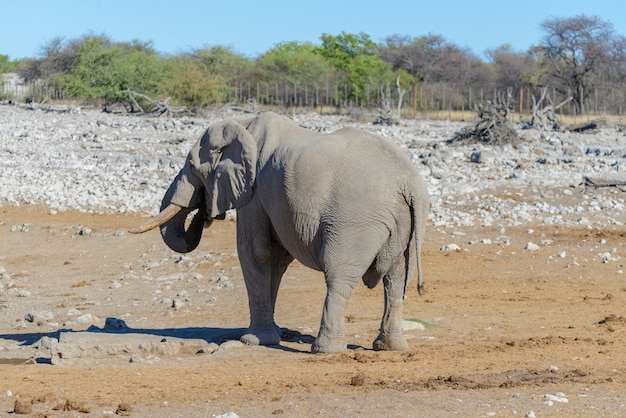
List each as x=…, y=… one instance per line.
x=262, y=329
x=257, y=274
x=390, y=336
x=263, y=264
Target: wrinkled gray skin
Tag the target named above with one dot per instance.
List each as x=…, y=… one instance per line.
x=348, y=204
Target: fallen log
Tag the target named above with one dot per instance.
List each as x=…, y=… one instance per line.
x=607, y=180
x=582, y=127
x=160, y=107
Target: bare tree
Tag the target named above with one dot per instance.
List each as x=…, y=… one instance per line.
x=401, y=93
x=511, y=69
x=573, y=52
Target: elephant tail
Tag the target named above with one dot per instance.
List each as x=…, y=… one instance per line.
x=419, y=206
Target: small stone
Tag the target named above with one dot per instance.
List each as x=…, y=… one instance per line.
x=47, y=398
x=412, y=325
x=124, y=409
x=606, y=257
x=531, y=414
x=227, y=415
x=84, y=231
x=87, y=319
x=357, y=380
x=23, y=406
x=177, y=304
x=531, y=246
x=482, y=157
x=38, y=317
x=554, y=398
x=47, y=343
x=209, y=349
x=136, y=359
x=231, y=344
x=450, y=247
x=71, y=405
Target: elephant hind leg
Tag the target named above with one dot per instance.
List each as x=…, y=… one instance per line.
x=331, y=337
x=390, y=336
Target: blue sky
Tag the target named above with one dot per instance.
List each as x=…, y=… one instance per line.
x=253, y=27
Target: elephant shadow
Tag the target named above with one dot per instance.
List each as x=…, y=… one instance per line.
x=115, y=326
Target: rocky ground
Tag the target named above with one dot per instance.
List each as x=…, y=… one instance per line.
x=523, y=315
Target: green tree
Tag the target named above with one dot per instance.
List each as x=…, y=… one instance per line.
x=224, y=68
x=101, y=70
x=354, y=55
x=6, y=65
x=295, y=66
x=90, y=76
x=190, y=85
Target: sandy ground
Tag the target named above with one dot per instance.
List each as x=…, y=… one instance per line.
x=505, y=326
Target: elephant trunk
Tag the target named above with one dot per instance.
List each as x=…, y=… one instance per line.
x=180, y=238
x=172, y=222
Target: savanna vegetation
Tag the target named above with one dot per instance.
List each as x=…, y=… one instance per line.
x=579, y=63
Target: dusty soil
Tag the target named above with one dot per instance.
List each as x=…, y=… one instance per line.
x=505, y=326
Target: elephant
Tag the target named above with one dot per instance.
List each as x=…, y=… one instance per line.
x=349, y=203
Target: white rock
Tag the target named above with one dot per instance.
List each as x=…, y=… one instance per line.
x=231, y=344
x=554, y=398
x=87, y=319
x=226, y=415
x=177, y=304
x=38, y=316
x=412, y=325
x=606, y=257
x=450, y=247
x=531, y=246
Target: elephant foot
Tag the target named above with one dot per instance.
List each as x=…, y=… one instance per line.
x=324, y=344
x=262, y=336
x=390, y=342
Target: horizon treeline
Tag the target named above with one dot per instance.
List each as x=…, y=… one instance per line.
x=580, y=62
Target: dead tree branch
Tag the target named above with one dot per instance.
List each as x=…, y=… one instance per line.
x=160, y=108
x=553, y=122
x=385, y=117
x=401, y=93
x=491, y=127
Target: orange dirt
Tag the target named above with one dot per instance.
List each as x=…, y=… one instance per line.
x=504, y=326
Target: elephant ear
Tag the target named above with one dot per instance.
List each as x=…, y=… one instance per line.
x=233, y=156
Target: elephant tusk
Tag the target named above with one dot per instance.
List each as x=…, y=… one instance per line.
x=166, y=214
